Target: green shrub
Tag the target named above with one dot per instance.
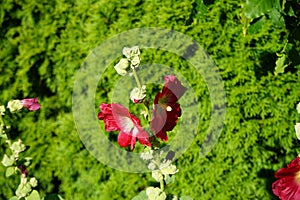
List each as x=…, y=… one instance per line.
x=44, y=43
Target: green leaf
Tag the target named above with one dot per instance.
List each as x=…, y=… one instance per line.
x=8, y=161
x=280, y=64
x=34, y=195
x=14, y=198
x=257, y=8
x=10, y=171
x=257, y=26
x=277, y=18
x=23, y=190
x=141, y=196
x=157, y=175
x=201, y=8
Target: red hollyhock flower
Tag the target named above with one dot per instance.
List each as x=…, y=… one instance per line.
x=287, y=187
x=166, y=109
x=31, y=103
x=118, y=118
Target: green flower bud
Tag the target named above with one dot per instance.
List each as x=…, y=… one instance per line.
x=147, y=155
x=33, y=182
x=151, y=166
x=167, y=168
x=157, y=175
x=130, y=53
x=135, y=62
x=18, y=146
x=121, y=66
x=14, y=105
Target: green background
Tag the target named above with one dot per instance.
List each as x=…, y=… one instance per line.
x=43, y=43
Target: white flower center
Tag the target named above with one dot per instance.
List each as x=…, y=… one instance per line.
x=169, y=108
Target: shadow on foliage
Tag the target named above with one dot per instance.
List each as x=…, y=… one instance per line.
x=267, y=174
x=266, y=65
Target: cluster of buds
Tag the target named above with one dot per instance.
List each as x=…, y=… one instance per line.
x=132, y=61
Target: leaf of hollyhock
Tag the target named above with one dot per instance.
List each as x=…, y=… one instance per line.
x=10, y=171
x=34, y=195
x=121, y=66
x=8, y=161
x=23, y=190
x=141, y=196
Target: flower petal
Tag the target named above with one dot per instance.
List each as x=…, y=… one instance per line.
x=106, y=115
x=31, y=104
x=125, y=139
x=288, y=185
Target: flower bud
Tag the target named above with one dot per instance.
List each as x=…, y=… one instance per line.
x=297, y=129
x=2, y=110
x=31, y=104
x=155, y=194
x=33, y=182
x=121, y=67
x=14, y=105
x=137, y=95
x=135, y=62
x=130, y=53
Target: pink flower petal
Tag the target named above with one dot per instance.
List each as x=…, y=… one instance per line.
x=31, y=104
x=117, y=117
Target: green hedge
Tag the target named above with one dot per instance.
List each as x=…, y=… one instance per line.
x=43, y=43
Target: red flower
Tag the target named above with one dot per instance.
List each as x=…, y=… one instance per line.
x=118, y=118
x=31, y=103
x=287, y=187
x=166, y=109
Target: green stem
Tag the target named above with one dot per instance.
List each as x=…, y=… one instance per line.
x=1, y=121
x=162, y=186
x=136, y=78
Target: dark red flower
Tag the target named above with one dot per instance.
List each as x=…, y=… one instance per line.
x=118, y=118
x=166, y=109
x=287, y=187
x=31, y=103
